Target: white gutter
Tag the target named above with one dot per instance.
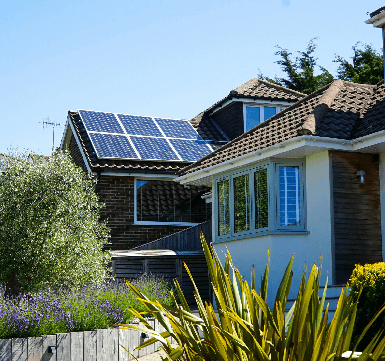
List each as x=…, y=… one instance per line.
x=287, y=145
x=378, y=21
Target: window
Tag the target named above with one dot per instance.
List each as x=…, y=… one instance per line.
x=254, y=115
x=264, y=198
x=168, y=202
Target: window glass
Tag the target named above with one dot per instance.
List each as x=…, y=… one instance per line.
x=223, y=207
x=261, y=199
x=241, y=203
x=168, y=201
x=268, y=112
x=289, y=196
x=252, y=117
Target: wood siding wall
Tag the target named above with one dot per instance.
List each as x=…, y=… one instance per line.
x=357, y=220
x=170, y=268
x=230, y=119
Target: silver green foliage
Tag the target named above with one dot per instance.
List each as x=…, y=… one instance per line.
x=50, y=231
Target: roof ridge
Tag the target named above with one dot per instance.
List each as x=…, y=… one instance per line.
x=309, y=125
x=281, y=87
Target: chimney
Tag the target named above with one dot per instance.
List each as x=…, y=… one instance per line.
x=377, y=19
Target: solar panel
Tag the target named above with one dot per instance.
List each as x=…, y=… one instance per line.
x=100, y=122
x=174, y=128
x=122, y=136
x=190, y=150
x=154, y=148
x=137, y=125
x=112, y=146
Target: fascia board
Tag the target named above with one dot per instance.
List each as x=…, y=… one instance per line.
x=66, y=128
x=272, y=151
x=369, y=140
x=378, y=20
x=79, y=146
x=260, y=101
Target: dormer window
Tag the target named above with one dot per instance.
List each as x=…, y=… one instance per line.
x=255, y=114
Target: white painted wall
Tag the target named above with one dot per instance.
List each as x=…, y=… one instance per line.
x=382, y=198
x=307, y=247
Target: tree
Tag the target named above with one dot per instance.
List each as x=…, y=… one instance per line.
x=366, y=68
x=50, y=232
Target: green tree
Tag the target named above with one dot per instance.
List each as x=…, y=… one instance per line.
x=50, y=232
x=366, y=68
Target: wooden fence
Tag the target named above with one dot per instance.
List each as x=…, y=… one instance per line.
x=96, y=345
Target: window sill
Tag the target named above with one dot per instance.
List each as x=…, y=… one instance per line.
x=144, y=223
x=265, y=233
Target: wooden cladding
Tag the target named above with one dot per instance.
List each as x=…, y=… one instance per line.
x=356, y=208
x=170, y=268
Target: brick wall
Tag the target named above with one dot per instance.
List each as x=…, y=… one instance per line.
x=117, y=192
x=230, y=119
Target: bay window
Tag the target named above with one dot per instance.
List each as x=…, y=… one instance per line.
x=261, y=199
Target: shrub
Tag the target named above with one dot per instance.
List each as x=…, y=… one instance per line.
x=87, y=308
x=247, y=329
x=369, y=280
x=50, y=231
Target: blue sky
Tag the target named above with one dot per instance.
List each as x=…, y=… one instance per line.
x=155, y=58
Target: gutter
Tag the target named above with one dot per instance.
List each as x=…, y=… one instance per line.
x=276, y=149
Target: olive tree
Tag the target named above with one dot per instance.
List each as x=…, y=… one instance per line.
x=50, y=231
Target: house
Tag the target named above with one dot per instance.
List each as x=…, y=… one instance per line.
x=135, y=159
x=310, y=180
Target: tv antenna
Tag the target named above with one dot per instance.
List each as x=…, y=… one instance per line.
x=46, y=123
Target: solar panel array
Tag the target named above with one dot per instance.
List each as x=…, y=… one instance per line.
x=121, y=136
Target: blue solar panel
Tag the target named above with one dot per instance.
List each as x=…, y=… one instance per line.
x=137, y=125
x=112, y=146
x=100, y=122
x=190, y=150
x=173, y=128
x=154, y=148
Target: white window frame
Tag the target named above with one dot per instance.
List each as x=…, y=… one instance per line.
x=272, y=167
x=154, y=223
x=278, y=107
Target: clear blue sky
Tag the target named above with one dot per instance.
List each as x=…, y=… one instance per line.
x=156, y=58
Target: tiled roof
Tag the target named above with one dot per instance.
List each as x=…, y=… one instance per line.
x=373, y=118
x=254, y=89
x=332, y=111
x=115, y=164
x=376, y=12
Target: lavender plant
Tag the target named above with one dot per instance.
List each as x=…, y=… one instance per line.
x=64, y=310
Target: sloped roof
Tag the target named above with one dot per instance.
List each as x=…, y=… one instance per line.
x=115, y=164
x=334, y=111
x=252, y=89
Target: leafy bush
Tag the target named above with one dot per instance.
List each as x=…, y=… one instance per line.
x=50, y=232
x=369, y=278
x=91, y=307
x=247, y=329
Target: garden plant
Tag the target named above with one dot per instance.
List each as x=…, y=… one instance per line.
x=87, y=308
x=50, y=229
x=245, y=328
x=367, y=286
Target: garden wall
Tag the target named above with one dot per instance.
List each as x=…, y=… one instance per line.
x=96, y=345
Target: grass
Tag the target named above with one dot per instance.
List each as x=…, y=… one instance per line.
x=91, y=307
